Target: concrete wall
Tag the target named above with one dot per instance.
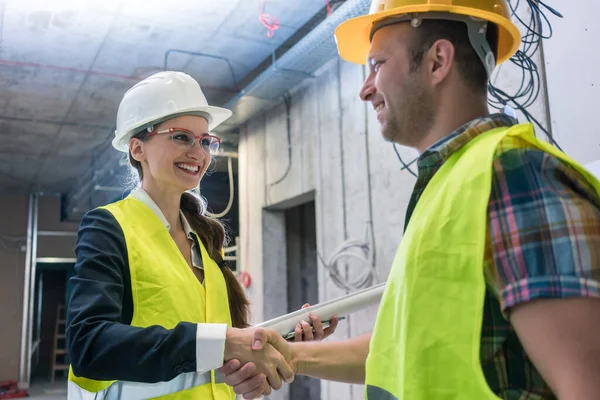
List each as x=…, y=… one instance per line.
x=338, y=153
x=13, y=230
x=573, y=84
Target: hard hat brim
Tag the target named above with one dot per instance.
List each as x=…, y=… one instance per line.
x=217, y=115
x=353, y=36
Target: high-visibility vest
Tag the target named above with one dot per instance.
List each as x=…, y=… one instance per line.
x=426, y=341
x=155, y=261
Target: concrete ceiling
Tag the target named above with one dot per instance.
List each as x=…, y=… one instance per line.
x=65, y=64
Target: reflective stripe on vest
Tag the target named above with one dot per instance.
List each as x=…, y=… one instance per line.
x=140, y=391
x=155, y=262
x=427, y=337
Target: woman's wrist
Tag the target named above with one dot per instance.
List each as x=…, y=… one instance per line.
x=232, y=345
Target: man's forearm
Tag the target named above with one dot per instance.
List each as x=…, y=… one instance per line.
x=341, y=361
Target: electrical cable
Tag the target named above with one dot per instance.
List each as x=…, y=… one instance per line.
x=288, y=106
x=231, y=193
x=269, y=21
x=366, y=276
x=528, y=90
x=405, y=166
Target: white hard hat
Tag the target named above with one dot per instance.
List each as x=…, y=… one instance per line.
x=159, y=97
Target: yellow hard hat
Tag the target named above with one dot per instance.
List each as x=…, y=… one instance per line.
x=353, y=37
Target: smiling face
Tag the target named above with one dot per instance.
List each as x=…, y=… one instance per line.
x=166, y=161
x=399, y=93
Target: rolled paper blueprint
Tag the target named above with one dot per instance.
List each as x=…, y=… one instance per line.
x=341, y=306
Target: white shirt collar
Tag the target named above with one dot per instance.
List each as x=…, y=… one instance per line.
x=145, y=198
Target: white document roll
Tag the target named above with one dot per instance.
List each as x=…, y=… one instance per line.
x=341, y=306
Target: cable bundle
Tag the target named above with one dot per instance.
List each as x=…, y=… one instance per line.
x=538, y=27
x=360, y=250
x=269, y=21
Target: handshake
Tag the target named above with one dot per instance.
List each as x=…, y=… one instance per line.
x=258, y=359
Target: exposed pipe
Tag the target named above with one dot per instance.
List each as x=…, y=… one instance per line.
x=342, y=164
x=38, y=334
x=544, y=84
x=32, y=276
x=98, y=73
x=199, y=54
x=56, y=260
x=23, y=377
x=56, y=233
x=373, y=248
x=101, y=188
x=228, y=154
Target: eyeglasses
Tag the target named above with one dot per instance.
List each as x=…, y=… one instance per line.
x=185, y=139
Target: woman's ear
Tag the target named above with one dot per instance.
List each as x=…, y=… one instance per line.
x=136, y=148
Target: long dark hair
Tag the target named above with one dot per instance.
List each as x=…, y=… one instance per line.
x=212, y=234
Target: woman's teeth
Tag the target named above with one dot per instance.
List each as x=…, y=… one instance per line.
x=191, y=168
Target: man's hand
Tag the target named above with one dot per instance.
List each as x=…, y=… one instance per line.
x=245, y=380
x=265, y=349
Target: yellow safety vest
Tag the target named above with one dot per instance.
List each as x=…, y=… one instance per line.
x=426, y=341
x=156, y=262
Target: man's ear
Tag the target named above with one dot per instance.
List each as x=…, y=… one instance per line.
x=136, y=148
x=441, y=56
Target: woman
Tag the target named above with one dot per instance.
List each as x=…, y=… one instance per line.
x=154, y=309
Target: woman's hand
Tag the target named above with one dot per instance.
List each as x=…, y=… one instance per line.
x=304, y=332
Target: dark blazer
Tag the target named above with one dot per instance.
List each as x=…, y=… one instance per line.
x=101, y=342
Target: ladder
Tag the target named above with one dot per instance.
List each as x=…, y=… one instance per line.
x=59, y=348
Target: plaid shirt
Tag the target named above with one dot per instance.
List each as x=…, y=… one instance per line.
x=543, y=241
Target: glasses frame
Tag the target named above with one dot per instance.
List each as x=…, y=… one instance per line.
x=174, y=130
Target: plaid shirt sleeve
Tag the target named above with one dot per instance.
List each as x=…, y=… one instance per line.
x=544, y=229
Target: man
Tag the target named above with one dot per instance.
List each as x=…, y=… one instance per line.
x=494, y=292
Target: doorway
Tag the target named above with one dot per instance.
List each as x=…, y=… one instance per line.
x=302, y=278
x=50, y=300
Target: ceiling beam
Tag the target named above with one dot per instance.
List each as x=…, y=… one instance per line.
x=52, y=122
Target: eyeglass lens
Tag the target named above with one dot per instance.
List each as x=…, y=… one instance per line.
x=186, y=140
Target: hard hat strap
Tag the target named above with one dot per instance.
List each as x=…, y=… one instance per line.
x=477, y=30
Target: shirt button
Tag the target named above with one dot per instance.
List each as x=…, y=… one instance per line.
x=178, y=369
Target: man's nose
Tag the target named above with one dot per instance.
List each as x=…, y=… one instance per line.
x=368, y=89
